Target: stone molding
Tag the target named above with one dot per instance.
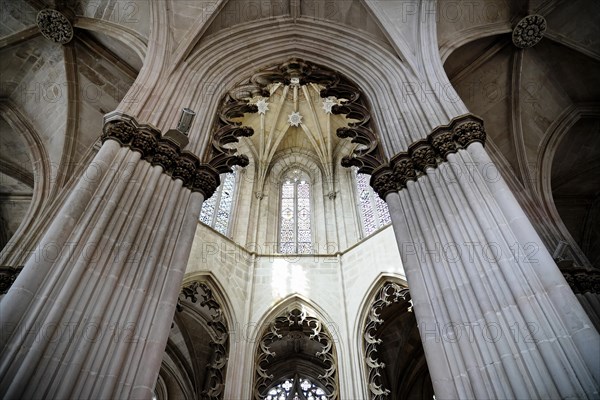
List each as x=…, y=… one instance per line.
x=529, y=31
x=220, y=344
x=387, y=295
x=169, y=155
x=55, y=26
x=292, y=323
x=427, y=153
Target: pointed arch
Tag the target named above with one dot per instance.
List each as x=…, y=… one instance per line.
x=41, y=176
x=195, y=359
x=293, y=341
x=389, y=343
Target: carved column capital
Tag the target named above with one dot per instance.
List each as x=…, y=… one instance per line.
x=442, y=141
x=184, y=168
x=404, y=168
x=383, y=181
x=120, y=130
x=165, y=155
x=423, y=155
x=427, y=153
x=468, y=132
x=145, y=141
x=581, y=280
x=206, y=180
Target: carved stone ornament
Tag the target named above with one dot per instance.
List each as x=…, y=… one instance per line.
x=469, y=132
x=422, y=154
x=404, y=168
x=427, y=153
x=55, y=26
x=529, y=31
x=7, y=277
x=582, y=280
x=389, y=294
x=166, y=153
x=220, y=155
x=216, y=367
x=296, y=325
x=442, y=141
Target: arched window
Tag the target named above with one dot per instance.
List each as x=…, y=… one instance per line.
x=374, y=213
x=295, y=235
x=296, y=389
x=216, y=211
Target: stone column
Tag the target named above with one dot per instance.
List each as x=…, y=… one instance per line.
x=496, y=316
x=90, y=313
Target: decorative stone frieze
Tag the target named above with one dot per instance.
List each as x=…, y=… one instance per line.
x=529, y=31
x=220, y=343
x=177, y=163
x=7, y=277
x=427, y=153
x=389, y=294
x=55, y=26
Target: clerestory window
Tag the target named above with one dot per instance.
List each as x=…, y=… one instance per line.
x=216, y=211
x=373, y=211
x=295, y=234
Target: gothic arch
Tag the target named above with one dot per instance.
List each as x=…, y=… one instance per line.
x=41, y=172
x=293, y=340
x=195, y=360
x=551, y=141
x=241, y=51
x=391, y=371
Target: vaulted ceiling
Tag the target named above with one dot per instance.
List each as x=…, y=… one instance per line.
x=540, y=104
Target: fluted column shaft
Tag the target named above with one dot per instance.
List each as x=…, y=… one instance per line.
x=496, y=316
x=92, y=319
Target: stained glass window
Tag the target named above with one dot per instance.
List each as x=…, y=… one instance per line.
x=295, y=235
x=216, y=211
x=296, y=389
x=373, y=211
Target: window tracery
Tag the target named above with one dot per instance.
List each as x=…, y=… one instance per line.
x=295, y=234
x=216, y=211
x=296, y=389
x=373, y=211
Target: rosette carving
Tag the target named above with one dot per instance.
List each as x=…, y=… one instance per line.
x=529, y=31
x=55, y=26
